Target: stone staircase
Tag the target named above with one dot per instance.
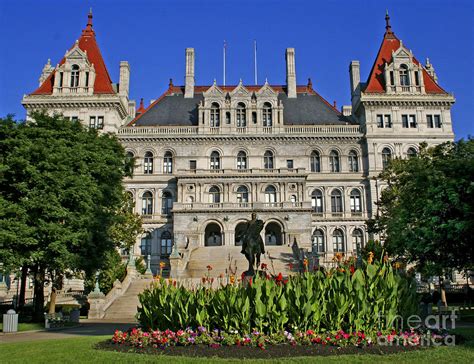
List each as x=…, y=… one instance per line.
x=124, y=308
x=220, y=258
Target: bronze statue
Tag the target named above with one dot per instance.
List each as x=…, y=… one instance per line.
x=252, y=243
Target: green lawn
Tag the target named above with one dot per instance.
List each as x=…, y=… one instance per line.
x=26, y=326
x=80, y=350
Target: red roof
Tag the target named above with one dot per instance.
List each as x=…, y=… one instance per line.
x=390, y=43
x=87, y=43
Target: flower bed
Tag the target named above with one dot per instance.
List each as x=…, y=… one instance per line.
x=220, y=343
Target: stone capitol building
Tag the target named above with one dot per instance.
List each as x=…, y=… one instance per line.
x=207, y=156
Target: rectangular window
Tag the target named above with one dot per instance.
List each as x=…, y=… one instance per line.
x=388, y=121
x=227, y=117
x=87, y=79
x=100, y=122
x=61, y=77
x=380, y=121
x=429, y=121
x=192, y=165
x=254, y=117
x=412, y=121
x=405, y=121
x=392, y=79
x=437, y=121
x=74, y=118
x=417, y=78
x=289, y=164
x=92, y=122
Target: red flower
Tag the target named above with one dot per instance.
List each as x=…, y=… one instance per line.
x=263, y=266
x=285, y=281
x=209, y=267
x=352, y=269
x=279, y=278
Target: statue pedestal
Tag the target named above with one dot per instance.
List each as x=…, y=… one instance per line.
x=96, y=301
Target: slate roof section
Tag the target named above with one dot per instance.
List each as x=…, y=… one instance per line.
x=309, y=108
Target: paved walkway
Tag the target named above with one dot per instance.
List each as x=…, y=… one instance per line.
x=86, y=328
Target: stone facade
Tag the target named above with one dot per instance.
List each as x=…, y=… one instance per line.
x=208, y=156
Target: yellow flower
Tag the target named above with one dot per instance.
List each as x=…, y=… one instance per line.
x=232, y=279
x=162, y=265
x=370, y=258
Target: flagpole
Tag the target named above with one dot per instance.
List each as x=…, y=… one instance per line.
x=255, y=60
x=225, y=46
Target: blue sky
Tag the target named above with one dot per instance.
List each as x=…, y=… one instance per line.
x=152, y=36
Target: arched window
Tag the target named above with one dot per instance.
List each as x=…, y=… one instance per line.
x=334, y=161
x=166, y=244
x=338, y=241
x=267, y=114
x=129, y=162
x=214, y=194
x=336, y=201
x=353, y=161
x=411, y=152
x=358, y=239
x=147, y=203
x=74, y=75
x=386, y=157
x=270, y=194
x=355, y=201
x=145, y=246
x=215, y=115
x=404, y=78
x=268, y=160
x=241, y=160
x=166, y=203
x=242, y=194
x=315, y=161
x=148, y=163
x=318, y=242
x=241, y=115
x=168, y=163
x=215, y=160
x=317, y=201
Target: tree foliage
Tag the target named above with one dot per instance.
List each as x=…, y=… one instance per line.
x=61, y=188
x=426, y=211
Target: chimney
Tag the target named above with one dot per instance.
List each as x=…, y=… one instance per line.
x=189, y=80
x=124, y=83
x=290, y=73
x=354, y=71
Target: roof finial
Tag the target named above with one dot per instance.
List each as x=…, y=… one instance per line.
x=310, y=84
x=170, y=85
x=388, y=27
x=89, y=18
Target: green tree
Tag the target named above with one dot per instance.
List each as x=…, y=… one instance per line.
x=426, y=212
x=61, y=188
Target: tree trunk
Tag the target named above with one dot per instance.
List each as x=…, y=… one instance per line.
x=56, y=283
x=24, y=277
x=443, y=294
x=38, y=314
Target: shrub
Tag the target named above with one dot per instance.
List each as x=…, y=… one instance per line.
x=343, y=297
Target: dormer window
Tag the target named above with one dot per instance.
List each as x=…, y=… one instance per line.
x=404, y=78
x=241, y=116
x=74, y=75
x=215, y=115
x=267, y=114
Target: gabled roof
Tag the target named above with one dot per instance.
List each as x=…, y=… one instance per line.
x=309, y=108
x=87, y=43
x=390, y=43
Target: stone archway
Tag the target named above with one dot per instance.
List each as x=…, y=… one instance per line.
x=213, y=235
x=239, y=228
x=273, y=234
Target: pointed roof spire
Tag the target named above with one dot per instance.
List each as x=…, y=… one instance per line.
x=88, y=30
x=388, y=27
x=141, y=108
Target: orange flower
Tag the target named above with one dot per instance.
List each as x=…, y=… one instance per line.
x=305, y=262
x=232, y=279
x=370, y=258
x=385, y=258
x=162, y=265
